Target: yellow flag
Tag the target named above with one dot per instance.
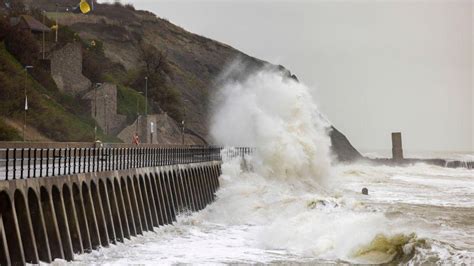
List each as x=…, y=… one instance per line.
x=85, y=7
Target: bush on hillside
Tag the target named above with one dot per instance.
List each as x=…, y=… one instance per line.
x=4, y=28
x=8, y=133
x=17, y=7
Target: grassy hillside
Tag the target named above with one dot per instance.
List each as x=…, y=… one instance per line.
x=45, y=112
x=127, y=102
x=192, y=63
x=8, y=133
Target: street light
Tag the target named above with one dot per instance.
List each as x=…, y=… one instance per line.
x=26, y=99
x=96, y=86
x=105, y=114
x=138, y=113
x=146, y=96
x=182, y=122
x=44, y=46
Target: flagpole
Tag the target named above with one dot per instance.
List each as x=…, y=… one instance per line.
x=26, y=100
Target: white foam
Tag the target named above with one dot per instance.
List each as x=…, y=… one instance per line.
x=293, y=206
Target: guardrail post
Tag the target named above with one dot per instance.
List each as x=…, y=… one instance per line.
x=102, y=159
x=170, y=156
x=14, y=163
x=88, y=160
x=54, y=162
x=152, y=157
x=112, y=155
x=79, y=160
x=64, y=151
x=6, y=164
x=96, y=160
x=41, y=163
x=165, y=156
x=74, y=161
x=135, y=159
x=125, y=158
x=114, y=159
x=173, y=156
x=145, y=158
x=129, y=158
x=34, y=163
x=68, y=162
x=47, y=162
x=22, y=162
x=84, y=160
x=159, y=153
x=29, y=163
x=107, y=159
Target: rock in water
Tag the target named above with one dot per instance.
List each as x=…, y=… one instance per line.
x=365, y=191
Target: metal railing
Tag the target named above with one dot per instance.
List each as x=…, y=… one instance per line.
x=21, y=163
x=233, y=152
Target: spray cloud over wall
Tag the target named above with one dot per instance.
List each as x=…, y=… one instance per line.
x=275, y=114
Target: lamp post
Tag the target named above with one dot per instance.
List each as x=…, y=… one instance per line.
x=182, y=122
x=105, y=114
x=26, y=99
x=44, y=46
x=96, y=86
x=146, y=106
x=138, y=113
x=57, y=26
x=146, y=96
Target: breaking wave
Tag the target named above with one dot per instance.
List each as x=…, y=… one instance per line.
x=291, y=194
x=285, y=203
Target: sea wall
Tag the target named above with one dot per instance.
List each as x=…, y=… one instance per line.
x=42, y=219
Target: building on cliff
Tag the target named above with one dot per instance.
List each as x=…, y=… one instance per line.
x=66, y=69
x=103, y=107
x=28, y=23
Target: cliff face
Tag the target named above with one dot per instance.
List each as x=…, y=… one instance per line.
x=195, y=61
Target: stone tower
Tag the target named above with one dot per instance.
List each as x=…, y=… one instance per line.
x=397, y=149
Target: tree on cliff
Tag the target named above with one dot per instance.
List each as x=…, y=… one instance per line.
x=23, y=45
x=160, y=89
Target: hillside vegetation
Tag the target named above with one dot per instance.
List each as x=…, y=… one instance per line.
x=181, y=66
x=122, y=45
x=44, y=113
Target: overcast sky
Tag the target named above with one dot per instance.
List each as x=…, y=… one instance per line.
x=375, y=66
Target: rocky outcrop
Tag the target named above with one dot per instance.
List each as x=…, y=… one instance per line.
x=341, y=147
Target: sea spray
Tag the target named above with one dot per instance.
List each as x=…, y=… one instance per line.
x=276, y=115
x=286, y=195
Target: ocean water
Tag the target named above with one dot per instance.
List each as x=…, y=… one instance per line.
x=290, y=203
x=416, y=214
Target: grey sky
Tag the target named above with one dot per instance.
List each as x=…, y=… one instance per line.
x=376, y=66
